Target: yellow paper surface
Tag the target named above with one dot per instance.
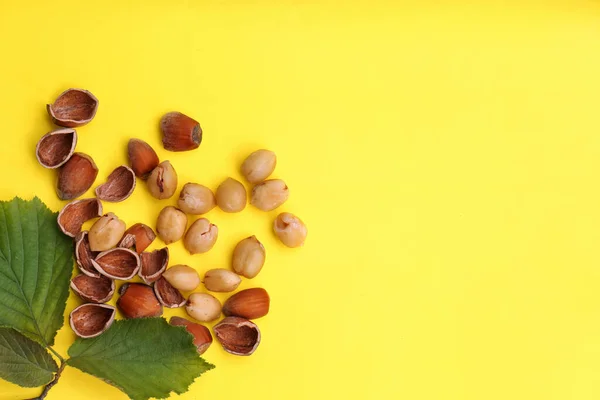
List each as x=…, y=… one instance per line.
x=444, y=155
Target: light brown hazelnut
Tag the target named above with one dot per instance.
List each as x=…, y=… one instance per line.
x=201, y=236
x=138, y=301
x=249, y=303
x=182, y=277
x=221, y=280
x=290, y=230
x=180, y=132
x=259, y=165
x=196, y=199
x=162, y=181
x=171, y=224
x=203, y=307
x=231, y=196
x=248, y=257
x=106, y=232
x=142, y=158
x=269, y=195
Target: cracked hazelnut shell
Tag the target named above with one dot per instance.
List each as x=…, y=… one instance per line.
x=55, y=148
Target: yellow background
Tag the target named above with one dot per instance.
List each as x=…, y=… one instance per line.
x=445, y=156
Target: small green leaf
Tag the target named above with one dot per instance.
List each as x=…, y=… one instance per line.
x=23, y=361
x=36, y=262
x=142, y=357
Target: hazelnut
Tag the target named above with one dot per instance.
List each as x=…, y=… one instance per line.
x=74, y=107
x=75, y=213
x=196, y=199
x=221, y=280
x=250, y=303
x=202, y=336
x=269, y=195
x=56, y=147
x=203, y=307
x=137, y=237
x=106, y=232
x=237, y=335
x=118, y=186
x=180, y=132
x=170, y=224
x=259, y=165
x=162, y=182
x=182, y=277
x=90, y=320
x=142, y=158
x=76, y=176
x=290, y=229
x=231, y=196
x=201, y=236
x=138, y=301
x=248, y=257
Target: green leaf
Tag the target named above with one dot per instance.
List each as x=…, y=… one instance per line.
x=23, y=361
x=36, y=261
x=142, y=357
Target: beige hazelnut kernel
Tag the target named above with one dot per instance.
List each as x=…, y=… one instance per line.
x=269, y=195
x=171, y=224
x=290, y=229
x=221, y=280
x=196, y=199
x=248, y=257
x=259, y=165
x=106, y=232
x=162, y=181
x=182, y=277
x=203, y=307
x=201, y=236
x=231, y=196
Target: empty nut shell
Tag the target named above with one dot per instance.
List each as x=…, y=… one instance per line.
x=269, y=195
x=76, y=176
x=117, y=263
x=142, y=158
x=259, y=165
x=74, y=107
x=153, y=264
x=250, y=303
x=196, y=199
x=290, y=230
x=203, y=307
x=167, y=295
x=231, y=196
x=119, y=185
x=238, y=335
x=170, y=224
x=221, y=280
x=201, y=236
x=106, y=232
x=75, y=213
x=137, y=238
x=138, y=301
x=93, y=289
x=56, y=147
x=248, y=257
x=180, y=132
x=202, y=336
x=162, y=181
x=84, y=255
x=90, y=320
x=182, y=277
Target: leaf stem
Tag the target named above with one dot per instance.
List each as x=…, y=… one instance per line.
x=62, y=360
x=53, y=382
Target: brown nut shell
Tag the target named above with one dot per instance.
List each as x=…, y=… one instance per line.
x=84, y=255
x=76, y=176
x=73, y=107
x=162, y=181
x=90, y=320
x=74, y=214
x=119, y=263
x=269, y=195
x=259, y=165
x=238, y=336
x=180, y=132
x=248, y=257
x=153, y=264
x=202, y=336
x=290, y=229
x=138, y=301
x=201, y=236
x=56, y=147
x=93, y=289
x=167, y=295
x=138, y=237
x=118, y=186
x=142, y=158
x=250, y=303
x=231, y=196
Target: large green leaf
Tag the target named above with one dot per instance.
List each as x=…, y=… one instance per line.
x=23, y=361
x=142, y=357
x=36, y=261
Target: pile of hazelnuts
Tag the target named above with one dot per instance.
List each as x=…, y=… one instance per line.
x=110, y=251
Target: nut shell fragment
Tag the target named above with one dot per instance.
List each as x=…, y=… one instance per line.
x=138, y=237
x=90, y=320
x=56, y=147
x=76, y=176
x=75, y=213
x=180, y=132
x=167, y=294
x=117, y=263
x=93, y=289
x=202, y=336
x=138, y=301
x=84, y=255
x=142, y=158
x=119, y=185
x=73, y=107
x=153, y=264
x=238, y=336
